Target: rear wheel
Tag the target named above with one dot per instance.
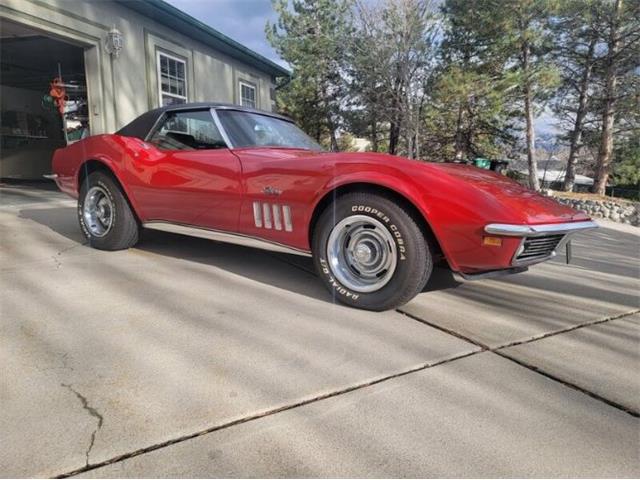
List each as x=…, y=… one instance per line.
x=104, y=214
x=370, y=252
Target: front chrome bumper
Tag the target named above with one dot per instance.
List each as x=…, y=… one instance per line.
x=539, y=242
x=536, y=230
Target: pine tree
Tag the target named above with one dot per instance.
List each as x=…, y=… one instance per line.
x=618, y=71
x=524, y=37
x=467, y=115
x=311, y=36
x=575, y=40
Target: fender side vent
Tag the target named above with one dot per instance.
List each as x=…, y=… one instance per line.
x=272, y=216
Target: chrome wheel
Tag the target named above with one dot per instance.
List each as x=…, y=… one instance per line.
x=97, y=211
x=362, y=253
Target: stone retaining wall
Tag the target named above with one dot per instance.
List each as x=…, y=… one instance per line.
x=627, y=212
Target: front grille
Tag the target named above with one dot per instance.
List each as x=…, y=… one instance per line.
x=538, y=247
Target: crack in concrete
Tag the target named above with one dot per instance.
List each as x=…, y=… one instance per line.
x=497, y=350
x=266, y=413
x=535, y=338
x=56, y=261
x=481, y=348
x=93, y=412
x=64, y=250
x=566, y=383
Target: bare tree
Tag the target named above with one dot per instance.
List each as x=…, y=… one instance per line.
x=391, y=61
x=621, y=60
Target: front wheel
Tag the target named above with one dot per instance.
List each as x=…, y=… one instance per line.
x=370, y=252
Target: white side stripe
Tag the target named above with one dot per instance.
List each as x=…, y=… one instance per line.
x=277, y=223
x=266, y=212
x=257, y=214
x=286, y=210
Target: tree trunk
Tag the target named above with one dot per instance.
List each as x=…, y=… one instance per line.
x=394, y=135
x=417, y=131
x=332, y=136
x=528, y=112
x=576, y=134
x=605, y=152
x=374, y=134
x=458, y=151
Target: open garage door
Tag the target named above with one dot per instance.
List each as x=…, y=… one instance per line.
x=44, y=99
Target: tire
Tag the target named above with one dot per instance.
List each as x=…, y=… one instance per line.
x=354, y=243
x=108, y=222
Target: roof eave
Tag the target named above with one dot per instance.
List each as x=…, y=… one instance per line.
x=184, y=23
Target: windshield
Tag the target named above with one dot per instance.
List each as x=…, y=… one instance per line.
x=246, y=129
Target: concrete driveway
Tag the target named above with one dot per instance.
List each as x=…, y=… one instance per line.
x=184, y=357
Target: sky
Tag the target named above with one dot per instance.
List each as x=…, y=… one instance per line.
x=244, y=22
x=241, y=20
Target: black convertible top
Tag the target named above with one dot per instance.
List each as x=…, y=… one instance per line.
x=141, y=126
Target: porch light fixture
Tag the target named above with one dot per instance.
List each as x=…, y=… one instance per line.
x=114, y=42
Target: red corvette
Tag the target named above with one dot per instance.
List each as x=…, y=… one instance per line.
x=374, y=224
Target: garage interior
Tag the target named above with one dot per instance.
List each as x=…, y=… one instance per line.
x=38, y=113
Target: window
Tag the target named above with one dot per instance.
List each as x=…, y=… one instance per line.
x=172, y=79
x=247, y=95
x=246, y=129
x=193, y=130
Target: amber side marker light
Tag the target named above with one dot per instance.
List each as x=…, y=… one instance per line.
x=492, y=241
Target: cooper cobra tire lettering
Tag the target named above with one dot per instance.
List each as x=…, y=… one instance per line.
x=337, y=287
x=385, y=218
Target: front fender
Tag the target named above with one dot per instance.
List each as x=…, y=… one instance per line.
x=401, y=184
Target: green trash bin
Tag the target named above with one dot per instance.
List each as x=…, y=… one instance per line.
x=482, y=163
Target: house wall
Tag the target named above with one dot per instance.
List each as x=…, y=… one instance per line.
x=120, y=89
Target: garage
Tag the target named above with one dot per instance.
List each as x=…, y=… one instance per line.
x=44, y=99
x=73, y=69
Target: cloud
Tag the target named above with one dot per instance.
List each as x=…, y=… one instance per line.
x=241, y=20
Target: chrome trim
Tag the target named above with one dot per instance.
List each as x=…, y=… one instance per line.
x=51, y=176
x=266, y=214
x=528, y=231
x=226, y=237
x=257, y=214
x=362, y=253
x=154, y=127
x=221, y=129
x=534, y=230
x=240, y=108
x=286, y=212
x=277, y=222
x=533, y=260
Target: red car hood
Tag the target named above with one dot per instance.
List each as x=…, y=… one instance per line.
x=529, y=206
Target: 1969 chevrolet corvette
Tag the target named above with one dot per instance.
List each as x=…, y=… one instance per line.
x=374, y=223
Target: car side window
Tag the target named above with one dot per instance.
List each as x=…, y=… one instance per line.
x=193, y=130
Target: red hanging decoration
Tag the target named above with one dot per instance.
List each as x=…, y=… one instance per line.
x=58, y=93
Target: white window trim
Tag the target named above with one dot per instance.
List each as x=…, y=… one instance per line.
x=255, y=92
x=159, y=77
